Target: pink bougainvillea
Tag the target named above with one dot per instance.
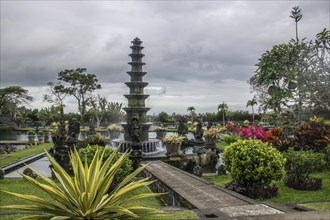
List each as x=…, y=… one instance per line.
x=252, y=132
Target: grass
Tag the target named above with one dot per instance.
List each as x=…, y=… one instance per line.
x=18, y=155
x=317, y=206
x=21, y=186
x=222, y=145
x=288, y=195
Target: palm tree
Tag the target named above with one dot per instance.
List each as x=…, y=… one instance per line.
x=251, y=103
x=192, y=110
x=223, y=107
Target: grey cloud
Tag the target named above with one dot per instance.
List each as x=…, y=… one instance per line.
x=215, y=43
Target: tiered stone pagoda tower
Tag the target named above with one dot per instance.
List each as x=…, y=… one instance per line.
x=136, y=98
x=136, y=128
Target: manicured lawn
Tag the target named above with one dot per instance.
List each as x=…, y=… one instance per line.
x=318, y=206
x=288, y=195
x=21, y=186
x=20, y=154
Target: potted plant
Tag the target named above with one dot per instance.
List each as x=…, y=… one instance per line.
x=58, y=135
x=172, y=144
x=46, y=137
x=160, y=132
x=97, y=139
x=211, y=136
x=41, y=137
x=114, y=130
x=31, y=136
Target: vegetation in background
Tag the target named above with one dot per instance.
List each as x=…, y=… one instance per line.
x=223, y=107
x=11, y=97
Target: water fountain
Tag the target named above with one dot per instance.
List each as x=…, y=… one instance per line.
x=136, y=127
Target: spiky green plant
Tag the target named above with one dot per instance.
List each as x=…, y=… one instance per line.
x=85, y=195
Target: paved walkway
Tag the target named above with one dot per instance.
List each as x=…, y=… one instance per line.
x=41, y=165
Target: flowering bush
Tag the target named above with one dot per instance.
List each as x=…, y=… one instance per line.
x=252, y=132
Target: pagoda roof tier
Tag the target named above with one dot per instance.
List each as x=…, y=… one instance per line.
x=136, y=55
x=136, y=47
x=139, y=73
x=139, y=96
x=137, y=83
x=137, y=109
x=136, y=63
x=136, y=41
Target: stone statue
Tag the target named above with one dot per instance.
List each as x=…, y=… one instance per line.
x=135, y=137
x=199, y=132
x=182, y=130
x=135, y=130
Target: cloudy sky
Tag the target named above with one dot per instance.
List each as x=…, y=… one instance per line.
x=197, y=53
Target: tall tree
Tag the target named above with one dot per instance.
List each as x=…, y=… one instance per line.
x=295, y=75
x=192, y=110
x=223, y=107
x=56, y=95
x=251, y=103
x=81, y=84
x=98, y=108
x=11, y=97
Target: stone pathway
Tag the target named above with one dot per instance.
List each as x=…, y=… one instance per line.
x=41, y=165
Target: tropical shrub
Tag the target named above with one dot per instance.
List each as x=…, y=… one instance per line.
x=231, y=138
x=276, y=137
x=314, y=135
x=86, y=195
x=87, y=154
x=299, y=165
x=253, y=165
x=327, y=155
